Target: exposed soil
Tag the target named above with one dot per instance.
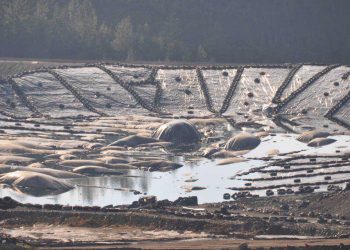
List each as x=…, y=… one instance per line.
x=298, y=220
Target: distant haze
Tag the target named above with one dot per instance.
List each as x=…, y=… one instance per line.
x=216, y=31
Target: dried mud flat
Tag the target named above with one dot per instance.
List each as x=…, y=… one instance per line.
x=89, y=157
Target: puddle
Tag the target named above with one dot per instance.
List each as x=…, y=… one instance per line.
x=215, y=178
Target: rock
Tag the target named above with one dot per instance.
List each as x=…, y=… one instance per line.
x=241, y=195
x=310, y=135
x=269, y=192
x=319, y=142
x=242, y=141
x=95, y=170
x=35, y=183
x=8, y=203
x=133, y=141
x=163, y=203
x=243, y=246
x=147, y=200
x=187, y=201
x=178, y=132
x=281, y=191
x=226, y=196
x=289, y=191
x=306, y=189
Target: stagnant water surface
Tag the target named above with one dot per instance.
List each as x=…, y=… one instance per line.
x=215, y=178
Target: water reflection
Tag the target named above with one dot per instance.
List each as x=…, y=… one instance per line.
x=169, y=185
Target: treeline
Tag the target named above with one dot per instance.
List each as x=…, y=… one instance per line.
x=226, y=31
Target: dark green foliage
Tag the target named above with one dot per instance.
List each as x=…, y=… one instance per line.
x=234, y=31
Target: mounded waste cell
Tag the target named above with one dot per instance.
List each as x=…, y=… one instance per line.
x=50, y=97
x=130, y=74
x=181, y=92
x=10, y=102
x=101, y=91
x=251, y=95
x=321, y=95
x=218, y=83
x=300, y=77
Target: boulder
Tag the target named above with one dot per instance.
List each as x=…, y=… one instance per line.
x=147, y=200
x=187, y=201
x=8, y=203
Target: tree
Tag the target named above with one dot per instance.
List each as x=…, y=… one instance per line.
x=201, y=53
x=124, y=38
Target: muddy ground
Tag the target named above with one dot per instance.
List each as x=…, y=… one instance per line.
x=71, y=117
x=299, y=220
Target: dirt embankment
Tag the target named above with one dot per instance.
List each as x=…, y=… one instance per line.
x=299, y=220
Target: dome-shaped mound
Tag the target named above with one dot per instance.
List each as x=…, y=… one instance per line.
x=310, y=135
x=178, y=132
x=242, y=141
x=35, y=183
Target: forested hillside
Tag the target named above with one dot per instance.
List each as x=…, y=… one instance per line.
x=223, y=31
